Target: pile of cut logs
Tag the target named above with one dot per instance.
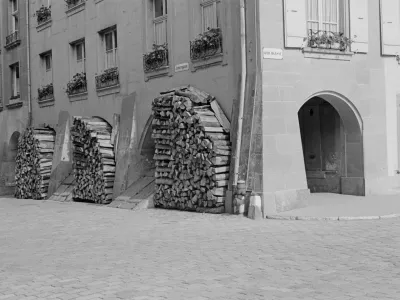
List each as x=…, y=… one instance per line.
x=192, y=154
x=33, y=163
x=93, y=160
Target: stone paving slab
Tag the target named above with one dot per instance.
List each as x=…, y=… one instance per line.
x=334, y=207
x=63, y=250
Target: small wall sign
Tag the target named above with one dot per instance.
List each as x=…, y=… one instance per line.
x=272, y=53
x=182, y=67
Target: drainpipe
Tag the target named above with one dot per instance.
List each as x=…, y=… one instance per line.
x=242, y=92
x=28, y=48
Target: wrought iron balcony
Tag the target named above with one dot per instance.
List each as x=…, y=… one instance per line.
x=328, y=40
x=107, y=79
x=206, y=45
x=156, y=59
x=13, y=39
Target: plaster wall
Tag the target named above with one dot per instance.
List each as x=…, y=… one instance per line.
x=290, y=82
x=220, y=80
x=13, y=114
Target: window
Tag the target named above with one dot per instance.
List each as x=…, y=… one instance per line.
x=326, y=15
x=15, y=80
x=47, y=62
x=160, y=21
x=210, y=12
x=47, y=66
x=110, y=48
x=79, y=56
x=13, y=4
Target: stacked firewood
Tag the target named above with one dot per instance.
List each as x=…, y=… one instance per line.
x=93, y=160
x=192, y=154
x=33, y=163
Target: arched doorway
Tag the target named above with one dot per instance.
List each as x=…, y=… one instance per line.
x=331, y=134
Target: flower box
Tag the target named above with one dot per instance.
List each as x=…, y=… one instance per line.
x=43, y=14
x=77, y=84
x=206, y=45
x=46, y=92
x=156, y=59
x=108, y=78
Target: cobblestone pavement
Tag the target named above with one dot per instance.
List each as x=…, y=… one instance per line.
x=51, y=250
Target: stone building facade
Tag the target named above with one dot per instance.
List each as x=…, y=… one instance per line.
x=14, y=114
x=321, y=111
x=330, y=108
x=109, y=41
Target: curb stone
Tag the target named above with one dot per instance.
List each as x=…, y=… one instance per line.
x=344, y=218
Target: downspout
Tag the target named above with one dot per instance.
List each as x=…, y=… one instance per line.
x=242, y=92
x=28, y=62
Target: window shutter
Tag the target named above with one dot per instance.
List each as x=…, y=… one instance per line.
x=295, y=23
x=390, y=35
x=359, y=25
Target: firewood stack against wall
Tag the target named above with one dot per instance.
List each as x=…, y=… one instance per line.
x=33, y=163
x=93, y=160
x=192, y=152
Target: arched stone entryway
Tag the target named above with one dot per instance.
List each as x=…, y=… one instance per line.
x=332, y=140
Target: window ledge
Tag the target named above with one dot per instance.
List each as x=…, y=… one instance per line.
x=44, y=25
x=46, y=102
x=78, y=97
x=75, y=9
x=163, y=71
x=13, y=44
x=113, y=89
x=207, y=62
x=14, y=103
x=318, y=53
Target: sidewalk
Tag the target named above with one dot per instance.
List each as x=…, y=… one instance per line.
x=324, y=206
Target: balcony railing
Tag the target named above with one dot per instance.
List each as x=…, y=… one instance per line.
x=43, y=14
x=12, y=38
x=328, y=40
x=206, y=45
x=109, y=78
x=72, y=3
x=156, y=59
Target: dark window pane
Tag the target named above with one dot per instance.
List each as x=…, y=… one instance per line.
x=158, y=8
x=79, y=52
x=108, y=38
x=115, y=39
x=17, y=70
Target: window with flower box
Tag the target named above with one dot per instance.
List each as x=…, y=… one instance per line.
x=13, y=38
x=328, y=25
x=45, y=91
x=207, y=27
x=156, y=58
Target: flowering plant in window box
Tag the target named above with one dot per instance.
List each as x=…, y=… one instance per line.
x=46, y=92
x=43, y=14
x=77, y=84
x=327, y=40
x=207, y=44
x=72, y=3
x=109, y=77
x=156, y=59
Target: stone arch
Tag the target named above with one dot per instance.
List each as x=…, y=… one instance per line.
x=146, y=143
x=13, y=146
x=102, y=120
x=339, y=135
